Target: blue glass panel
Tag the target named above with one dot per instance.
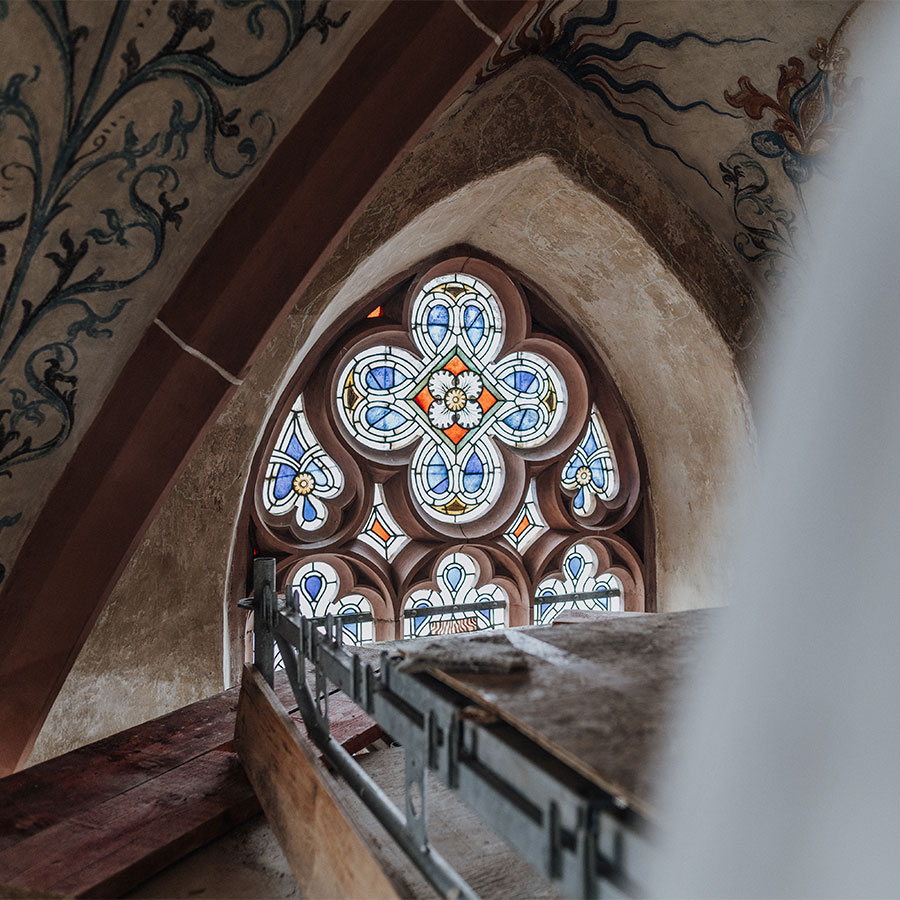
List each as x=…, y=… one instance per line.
x=384, y=418
x=590, y=445
x=295, y=448
x=522, y=380
x=437, y=475
x=454, y=576
x=522, y=419
x=317, y=472
x=313, y=584
x=598, y=474
x=309, y=511
x=438, y=322
x=572, y=468
x=574, y=565
x=473, y=320
x=284, y=481
x=473, y=474
x=352, y=628
x=384, y=377
x=578, y=502
x=419, y=621
x=544, y=608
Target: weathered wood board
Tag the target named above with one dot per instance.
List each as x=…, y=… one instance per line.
x=325, y=850
x=43, y=795
x=101, y=819
x=597, y=695
x=107, y=849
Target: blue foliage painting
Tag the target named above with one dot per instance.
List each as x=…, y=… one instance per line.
x=38, y=386
x=594, y=61
x=806, y=122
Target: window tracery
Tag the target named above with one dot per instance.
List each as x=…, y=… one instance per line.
x=451, y=420
x=591, y=470
x=317, y=592
x=300, y=474
x=528, y=524
x=457, y=604
x=583, y=584
x=453, y=400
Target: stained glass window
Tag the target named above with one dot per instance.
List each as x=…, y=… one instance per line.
x=454, y=400
x=591, y=470
x=580, y=578
x=381, y=531
x=529, y=523
x=450, y=385
x=457, y=605
x=300, y=473
x=318, y=592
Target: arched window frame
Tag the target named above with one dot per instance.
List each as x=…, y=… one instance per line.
x=622, y=523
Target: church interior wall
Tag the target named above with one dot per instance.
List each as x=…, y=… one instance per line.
x=552, y=202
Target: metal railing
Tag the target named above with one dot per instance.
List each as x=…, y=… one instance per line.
x=585, y=840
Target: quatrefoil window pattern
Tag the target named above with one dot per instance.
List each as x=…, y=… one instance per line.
x=454, y=400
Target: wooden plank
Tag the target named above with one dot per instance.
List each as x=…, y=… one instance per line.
x=115, y=845
x=597, y=695
x=53, y=791
x=327, y=854
x=137, y=820
x=349, y=725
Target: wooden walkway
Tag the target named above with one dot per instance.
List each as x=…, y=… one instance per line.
x=98, y=821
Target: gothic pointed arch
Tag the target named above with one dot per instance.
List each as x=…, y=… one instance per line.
x=446, y=458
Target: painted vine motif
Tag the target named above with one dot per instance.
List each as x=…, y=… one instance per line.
x=52, y=269
x=806, y=122
x=597, y=63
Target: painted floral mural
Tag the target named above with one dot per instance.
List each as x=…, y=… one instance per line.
x=91, y=197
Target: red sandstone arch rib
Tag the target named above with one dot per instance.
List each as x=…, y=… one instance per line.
x=396, y=80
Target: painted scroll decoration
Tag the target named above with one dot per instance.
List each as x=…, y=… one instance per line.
x=806, y=121
x=598, y=61
x=69, y=282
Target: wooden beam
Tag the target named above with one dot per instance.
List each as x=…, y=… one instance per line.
x=108, y=849
x=327, y=854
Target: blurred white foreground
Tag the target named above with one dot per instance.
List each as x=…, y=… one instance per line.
x=792, y=727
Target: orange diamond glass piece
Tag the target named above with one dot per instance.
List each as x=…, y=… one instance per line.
x=376, y=313
x=424, y=398
x=456, y=432
x=379, y=531
x=486, y=400
x=455, y=365
x=522, y=527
